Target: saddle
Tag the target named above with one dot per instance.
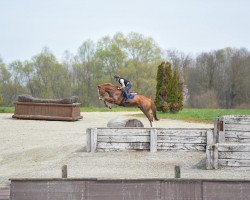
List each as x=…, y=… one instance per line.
x=131, y=95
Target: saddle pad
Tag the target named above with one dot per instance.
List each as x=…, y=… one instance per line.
x=131, y=95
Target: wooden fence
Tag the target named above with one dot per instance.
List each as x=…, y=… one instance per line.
x=230, y=143
x=151, y=139
x=4, y=192
x=140, y=189
x=228, y=155
x=231, y=128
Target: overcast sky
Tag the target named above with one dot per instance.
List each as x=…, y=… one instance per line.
x=192, y=26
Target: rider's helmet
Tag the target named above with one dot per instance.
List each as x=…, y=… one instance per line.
x=116, y=76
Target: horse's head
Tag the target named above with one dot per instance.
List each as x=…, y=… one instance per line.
x=101, y=91
x=106, y=88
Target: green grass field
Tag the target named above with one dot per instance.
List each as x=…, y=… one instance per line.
x=202, y=115
x=187, y=114
x=7, y=109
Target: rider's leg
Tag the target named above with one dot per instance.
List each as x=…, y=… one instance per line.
x=126, y=90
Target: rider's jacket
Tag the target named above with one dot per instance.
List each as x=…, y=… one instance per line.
x=125, y=81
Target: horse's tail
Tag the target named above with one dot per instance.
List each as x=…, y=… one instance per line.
x=153, y=107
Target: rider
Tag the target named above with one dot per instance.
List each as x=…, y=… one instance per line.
x=125, y=86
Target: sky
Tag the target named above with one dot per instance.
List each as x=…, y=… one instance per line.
x=191, y=26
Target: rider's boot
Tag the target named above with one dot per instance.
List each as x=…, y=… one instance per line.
x=123, y=100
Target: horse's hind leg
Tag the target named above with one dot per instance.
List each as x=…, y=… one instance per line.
x=148, y=115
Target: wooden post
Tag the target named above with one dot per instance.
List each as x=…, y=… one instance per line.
x=216, y=130
x=215, y=156
x=93, y=139
x=153, y=140
x=88, y=138
x=210, y=157
x=221, y=138
x=177, y=171
x=64, y=171
x=210, y=137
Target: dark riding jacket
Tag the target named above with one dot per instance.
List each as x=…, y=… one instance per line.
x=125, y=81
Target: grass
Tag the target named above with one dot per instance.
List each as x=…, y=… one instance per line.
x=202, y=115
x=187, y=114
x=7, y=109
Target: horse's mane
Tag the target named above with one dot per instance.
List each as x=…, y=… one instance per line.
x=108, y=85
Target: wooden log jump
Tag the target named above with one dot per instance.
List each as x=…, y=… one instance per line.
x=119, y=122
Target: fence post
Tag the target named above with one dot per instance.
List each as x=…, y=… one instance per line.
x=88, y=137
x=64, y=171
x=221, y=131
x=210, y=157
x=153, y=140
x=177, y=171
x=210, y=137
x=215, y=155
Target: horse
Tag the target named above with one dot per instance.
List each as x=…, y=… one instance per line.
x=145, y=104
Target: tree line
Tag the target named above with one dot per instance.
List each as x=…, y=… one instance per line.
x=219, y=78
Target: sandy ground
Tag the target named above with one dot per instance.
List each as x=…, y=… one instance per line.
x=34, y=148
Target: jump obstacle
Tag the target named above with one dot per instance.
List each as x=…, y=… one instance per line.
x=227, y=145
x=231, y=143
x=147, y=139
x=28, y=107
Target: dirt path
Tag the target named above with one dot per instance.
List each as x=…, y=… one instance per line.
x=31, y=148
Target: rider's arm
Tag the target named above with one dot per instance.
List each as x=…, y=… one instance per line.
x=122, y=84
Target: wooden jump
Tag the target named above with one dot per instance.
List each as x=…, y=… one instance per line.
x=149, y=139
x=47, y=111
x=231, y=143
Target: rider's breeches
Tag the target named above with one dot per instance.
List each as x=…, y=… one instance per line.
x=127, y=88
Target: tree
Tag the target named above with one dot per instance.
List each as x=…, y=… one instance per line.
x=169, y=89
x=110, y=54
x=50, y=79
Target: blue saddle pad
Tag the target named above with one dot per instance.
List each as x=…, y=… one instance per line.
x=131, y=96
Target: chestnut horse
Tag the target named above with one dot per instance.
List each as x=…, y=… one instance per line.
x=146, y=105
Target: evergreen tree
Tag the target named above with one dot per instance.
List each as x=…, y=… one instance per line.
x=169, y=89
x=159, y=87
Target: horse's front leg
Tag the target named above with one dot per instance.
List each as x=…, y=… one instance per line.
x=108, y=102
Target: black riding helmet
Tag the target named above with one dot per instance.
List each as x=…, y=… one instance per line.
x=116, y=76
